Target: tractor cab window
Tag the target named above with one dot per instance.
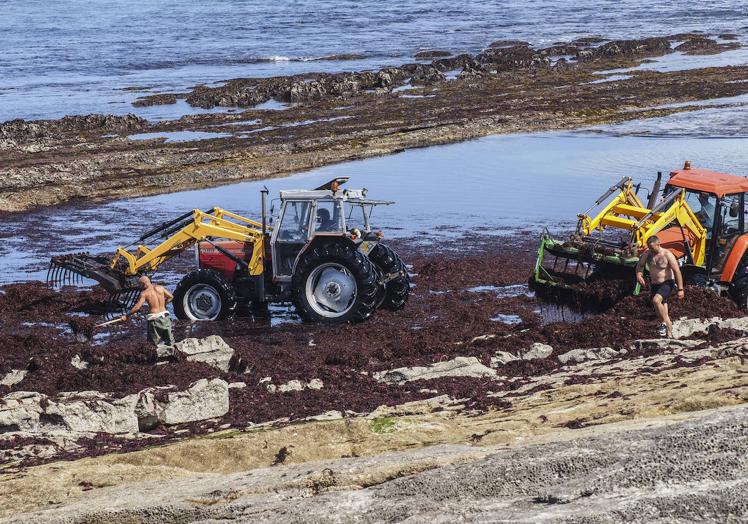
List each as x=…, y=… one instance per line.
x=292, y=235
x=329, y=217
x=731, y=213
x=357, y=217
x=703, y=206
x=294, y=224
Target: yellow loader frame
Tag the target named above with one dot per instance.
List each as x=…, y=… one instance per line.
x=218, y=223
x=627, y=212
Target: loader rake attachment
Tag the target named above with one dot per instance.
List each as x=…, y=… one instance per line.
x=72, y=269
x=588, y=277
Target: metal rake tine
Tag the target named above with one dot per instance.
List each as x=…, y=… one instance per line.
x=49, y=269
x=56, y=275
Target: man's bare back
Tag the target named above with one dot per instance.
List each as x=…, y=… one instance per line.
x=159, y=325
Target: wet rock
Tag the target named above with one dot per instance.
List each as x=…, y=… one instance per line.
x=153, y=100
x=13, y=377
x=305, y=91
x=427, y=75
x=575, y=356
x=458, y=367
x=508, y=43
x=588, y=40
x=627, y=48
x=237, y=385
x=501, y=358
x=700, y=45
x=239, y=93
x=536, y=350
x=341, y=57
x=295, y=385
x=26, y=130
x=425, y=55
x=498, y=60
x=211, y=350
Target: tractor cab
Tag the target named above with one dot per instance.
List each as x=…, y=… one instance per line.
x=718, y=202
x=309, y=215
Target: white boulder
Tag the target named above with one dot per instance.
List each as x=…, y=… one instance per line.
x=537, y=350
x=212, y=350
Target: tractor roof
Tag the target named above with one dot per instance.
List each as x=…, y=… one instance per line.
x=708, y=181
x=354, y=196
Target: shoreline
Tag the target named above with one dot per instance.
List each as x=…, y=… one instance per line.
x=338, y=117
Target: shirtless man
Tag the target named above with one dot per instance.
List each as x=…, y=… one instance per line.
x=663, y=274
x=159, y=323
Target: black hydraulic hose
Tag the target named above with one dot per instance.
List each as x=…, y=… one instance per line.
x=610, y=191
x=170, y=223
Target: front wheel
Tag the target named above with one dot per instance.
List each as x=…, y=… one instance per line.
x=204, y=294
x=334, y=283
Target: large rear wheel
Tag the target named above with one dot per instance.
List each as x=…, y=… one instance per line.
x=334, y=283
x=740, y=293
x=397, y=287
x=204, y=294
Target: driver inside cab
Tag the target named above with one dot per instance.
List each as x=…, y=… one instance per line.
x=325, y=224
x=706, y=213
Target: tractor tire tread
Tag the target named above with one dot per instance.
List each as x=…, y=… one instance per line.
x=398, y=289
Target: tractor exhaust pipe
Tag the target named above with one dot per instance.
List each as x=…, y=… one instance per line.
x=655, y=191
x=264, y=193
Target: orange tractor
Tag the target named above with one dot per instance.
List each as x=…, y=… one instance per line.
x=699, y=216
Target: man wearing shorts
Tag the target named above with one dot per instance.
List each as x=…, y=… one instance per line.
x=664, y=272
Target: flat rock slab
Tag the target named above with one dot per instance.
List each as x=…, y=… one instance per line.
x=211, y=350
x=458, y=367
x=684, y=328
x=679, y=472
x=575, y=356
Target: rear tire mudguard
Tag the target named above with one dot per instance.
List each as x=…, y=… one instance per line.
x=735, y=265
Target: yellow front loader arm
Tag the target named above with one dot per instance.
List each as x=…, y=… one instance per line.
x=627, y=212
x=218, y=223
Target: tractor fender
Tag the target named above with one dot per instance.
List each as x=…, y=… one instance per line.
x=735, y=265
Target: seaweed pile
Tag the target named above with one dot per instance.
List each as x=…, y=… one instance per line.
x=453, y=312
